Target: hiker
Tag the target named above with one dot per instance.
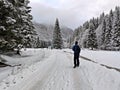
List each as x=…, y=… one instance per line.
x=76, y=50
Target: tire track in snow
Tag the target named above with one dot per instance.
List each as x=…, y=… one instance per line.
x=37, y=79
x=57, y=77
x=46, y=75
x=61, y=78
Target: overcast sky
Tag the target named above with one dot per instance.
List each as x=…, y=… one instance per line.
x=71, y=13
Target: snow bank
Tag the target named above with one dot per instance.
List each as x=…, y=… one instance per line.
x=110, y=58
x=28, y=57
x=19, y=73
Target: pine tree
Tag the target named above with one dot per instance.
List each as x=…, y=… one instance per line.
x=102, y=44
x=111, y=16
x=7, y=21
x=102, y=16
x=76, y=34
x=69, y=41
x=57, y=38
x=116, y=30
x=108, y=32
x=84, y=39
x=86, y=25
x=92, y=39
x=95, y=22
x=16, y=27
x=24, y=25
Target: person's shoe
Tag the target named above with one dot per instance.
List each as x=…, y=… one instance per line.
x=74, y=67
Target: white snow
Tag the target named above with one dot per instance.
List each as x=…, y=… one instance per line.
x=45, y=69
x=27, y=57
x=2, y=28
x=110, y=58
x=4, y=72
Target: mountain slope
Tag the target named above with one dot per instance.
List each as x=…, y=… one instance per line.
x=45, y=32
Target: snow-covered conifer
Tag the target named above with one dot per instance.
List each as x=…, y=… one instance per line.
x=116, y=30
x=108, y=32
x=57, y=37
x=92, y=39
x=7, y=21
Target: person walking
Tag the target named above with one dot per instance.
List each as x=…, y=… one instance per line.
x=76, y=50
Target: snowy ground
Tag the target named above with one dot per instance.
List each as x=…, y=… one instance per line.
x=111, y=58
x=44, y=69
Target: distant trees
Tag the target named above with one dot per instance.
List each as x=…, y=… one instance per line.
x=57, y=37
x=42, y=44
x=116, y=30
x=102, y=32
x=108, y=31
x=16, y=26
x=92, y=39
x=103, y=35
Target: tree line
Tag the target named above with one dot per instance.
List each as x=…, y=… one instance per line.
x=100, y=33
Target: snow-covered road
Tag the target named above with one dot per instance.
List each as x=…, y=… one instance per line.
x=56, y=72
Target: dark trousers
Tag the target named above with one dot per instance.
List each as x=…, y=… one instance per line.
x=76, y=59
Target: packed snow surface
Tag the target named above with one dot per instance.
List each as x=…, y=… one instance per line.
x=45, y=69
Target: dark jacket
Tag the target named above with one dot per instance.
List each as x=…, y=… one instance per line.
x=76, y=49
